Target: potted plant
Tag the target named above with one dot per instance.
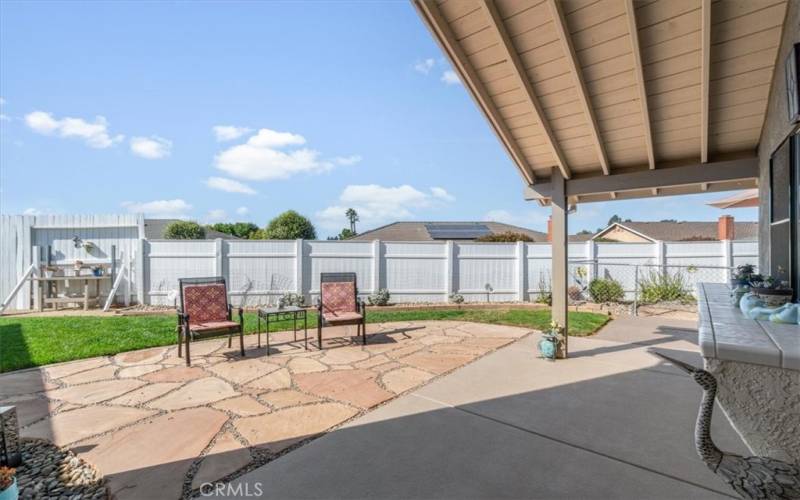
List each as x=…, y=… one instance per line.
x=8, y=484
x=773, y=292
x=741, y=277
x=551, y=340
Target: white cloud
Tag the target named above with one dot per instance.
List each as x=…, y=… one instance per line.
x=529, y=219
x=376, y=204
x=166, y=209
x=95, y=134
x=216, y=215
x=442, y=194
x=2, y=101
x=32, y=211
x=347, y=160
x=4, y=118
x=450, y=77
x=260, y=158
x=424, y=66
x=229, y=132
x=151, y=148
x=242, y=210
x=229, y=185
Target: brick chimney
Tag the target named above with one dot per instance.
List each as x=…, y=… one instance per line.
x=725, y=228
x=550, y=229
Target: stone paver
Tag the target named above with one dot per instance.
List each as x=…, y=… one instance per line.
x=196, y=393
x=143, y=417
x=357, y=387
x=95, y=392
x=102, y=373
x=151, y=459
x=279, y=379
x=243, y=406
x=287, y=397
x=137, y=371
x=226, y=456
x=176, y=374
x=405, y=378
x=145, y=393
x=306, y=365
x=71, y=426
x=283, y=428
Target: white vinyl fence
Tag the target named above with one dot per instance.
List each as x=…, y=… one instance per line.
x=259, y=272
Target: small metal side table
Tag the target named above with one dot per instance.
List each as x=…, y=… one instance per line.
x=281, y=314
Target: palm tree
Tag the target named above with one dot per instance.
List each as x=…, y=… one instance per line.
x=352, y=216
x=750, y=477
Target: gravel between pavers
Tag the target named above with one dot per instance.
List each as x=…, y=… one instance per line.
x=49, y=472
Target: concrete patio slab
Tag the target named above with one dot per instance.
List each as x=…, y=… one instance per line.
x=610, y=422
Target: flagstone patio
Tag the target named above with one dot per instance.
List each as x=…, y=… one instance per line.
x=156, y=428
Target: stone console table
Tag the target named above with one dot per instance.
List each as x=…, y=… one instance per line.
x=757, y=365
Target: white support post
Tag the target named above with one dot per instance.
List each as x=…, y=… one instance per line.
x=36, y=253
x=559, y=257
x=376, y=265
x=449, y=253
x=661, y=256
x=727, y=256
x=522, y=271
x=126, y=288
x=218, y=249
x=298, y=266
x=140, y=271
x=591, y=256
x=31, y=271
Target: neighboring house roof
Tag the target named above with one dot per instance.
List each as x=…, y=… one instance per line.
x=154, y=230
x=683, y=230
x=421, y=231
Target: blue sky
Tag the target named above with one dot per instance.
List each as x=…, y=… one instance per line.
x=222, y=111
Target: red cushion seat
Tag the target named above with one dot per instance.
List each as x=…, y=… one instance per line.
x=342, y=316
x=213, y=325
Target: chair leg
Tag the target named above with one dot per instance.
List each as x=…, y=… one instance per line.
x=363, y=332
x=180, y=340
x=241, y=341
x=230, y=336
x=188, y=336
x=319, y=333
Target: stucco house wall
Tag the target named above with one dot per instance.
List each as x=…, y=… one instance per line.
x=623, y=235
x=776, y=128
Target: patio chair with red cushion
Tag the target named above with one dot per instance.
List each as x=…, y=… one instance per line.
x=339, y=304
x=205, y=312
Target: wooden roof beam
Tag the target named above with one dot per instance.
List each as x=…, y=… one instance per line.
x=637, y=60
x=583, y=95
x=440, y=29
x=705, y=66
x=512, y=57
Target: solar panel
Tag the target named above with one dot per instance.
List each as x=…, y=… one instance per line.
x=457, y=231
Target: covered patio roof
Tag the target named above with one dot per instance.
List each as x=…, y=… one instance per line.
x=620, y=98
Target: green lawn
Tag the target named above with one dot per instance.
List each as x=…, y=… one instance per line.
x=32, y=341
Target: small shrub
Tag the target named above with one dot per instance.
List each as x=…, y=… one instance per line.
x=506, y=237
x=545, y=294
x=664, y=287
x=184, y=230
x=575, y=293
x=456, y=298
x=606, y=290
x=293, y=299
x=379, y=299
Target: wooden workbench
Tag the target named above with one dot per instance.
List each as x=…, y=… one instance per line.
x=44, y=298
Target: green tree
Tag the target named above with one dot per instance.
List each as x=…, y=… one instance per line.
x=238, y=229
x=184, y=230
x=506, y=237
x=346, y=234
x=290, y=225
x=352, y=216
x=614, y=218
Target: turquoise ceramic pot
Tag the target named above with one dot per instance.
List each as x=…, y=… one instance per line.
x=548, y=346
x=10, y=493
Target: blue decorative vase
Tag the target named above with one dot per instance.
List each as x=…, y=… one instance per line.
x=548, y=346
x=10, y=493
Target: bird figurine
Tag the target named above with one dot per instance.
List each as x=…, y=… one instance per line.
x=750, y=477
